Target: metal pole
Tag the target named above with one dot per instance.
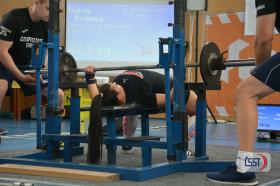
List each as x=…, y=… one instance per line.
x=175, y=138
x=53, y=125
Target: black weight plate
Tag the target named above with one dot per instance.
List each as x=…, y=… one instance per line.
x=66, y=62
x=209, y=52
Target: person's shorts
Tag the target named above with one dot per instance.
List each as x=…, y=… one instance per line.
x=265, y=7
x=269, y=72
x=26, y=89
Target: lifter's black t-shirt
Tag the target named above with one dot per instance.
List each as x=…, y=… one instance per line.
x=141, y=87
x=17, y=26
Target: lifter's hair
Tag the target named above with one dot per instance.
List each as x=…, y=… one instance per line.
x=95, y=132
x=107, y=97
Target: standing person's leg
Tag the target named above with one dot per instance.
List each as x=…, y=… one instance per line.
x=3, y=91
x=60, y=98
x=247, y=94
x=263, y=81
x=6, y=79
x=31, y=90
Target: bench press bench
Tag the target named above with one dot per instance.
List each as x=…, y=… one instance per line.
x=111, y=140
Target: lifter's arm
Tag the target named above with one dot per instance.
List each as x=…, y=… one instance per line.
x=92, y=88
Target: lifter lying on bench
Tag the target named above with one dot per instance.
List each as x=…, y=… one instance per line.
x=142, y=87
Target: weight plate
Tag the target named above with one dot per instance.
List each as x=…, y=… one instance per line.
x=209, y=52
x=66, y=62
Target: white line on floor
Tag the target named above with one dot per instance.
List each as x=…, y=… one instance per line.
x=35, y=181
x=272, y=183
x=24, y=136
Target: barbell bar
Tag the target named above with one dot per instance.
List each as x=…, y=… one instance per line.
x=211, y=65
x=227, y=64
x=246, y=62
x=100, y=69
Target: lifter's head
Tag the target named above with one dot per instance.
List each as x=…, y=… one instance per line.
x=112, y=94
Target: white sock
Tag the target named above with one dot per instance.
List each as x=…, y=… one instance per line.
x=191, y=121
x=240, y=161
x=129, y=125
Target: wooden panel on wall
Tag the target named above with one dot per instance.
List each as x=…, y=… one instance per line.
x=6, y=104
x=6, y=5
x=193, y=32
x=220, y=6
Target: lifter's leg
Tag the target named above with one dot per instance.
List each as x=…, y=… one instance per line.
x=191, y=104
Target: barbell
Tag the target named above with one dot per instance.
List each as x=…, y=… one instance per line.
x=211, y=65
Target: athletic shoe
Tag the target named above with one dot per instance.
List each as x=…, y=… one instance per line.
x=127, y=149
x=190, y=153
x=3, y=132
x=231, y=176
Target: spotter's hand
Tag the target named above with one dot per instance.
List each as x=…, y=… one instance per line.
x=28, y=79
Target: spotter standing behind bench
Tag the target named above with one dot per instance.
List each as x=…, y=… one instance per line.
x=19, y=31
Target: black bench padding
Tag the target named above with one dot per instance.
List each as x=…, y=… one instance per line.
x=126, y=110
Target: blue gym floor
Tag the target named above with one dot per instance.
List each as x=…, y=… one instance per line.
x=221, y=145
x=22, y=134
